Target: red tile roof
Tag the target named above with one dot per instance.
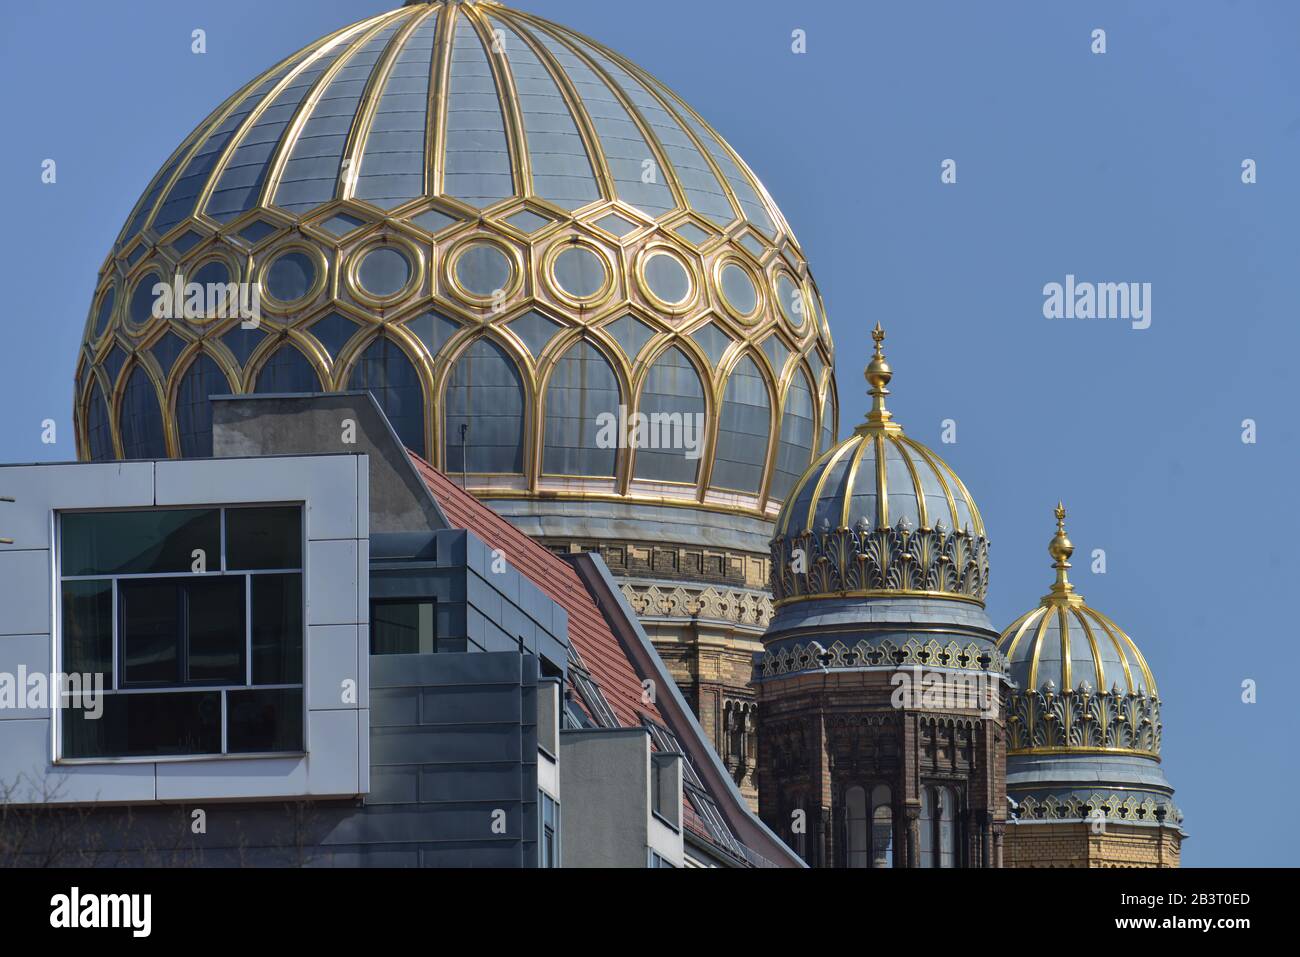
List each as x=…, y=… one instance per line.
x=589, y=633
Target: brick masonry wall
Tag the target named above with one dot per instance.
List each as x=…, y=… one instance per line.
x=1072, y=844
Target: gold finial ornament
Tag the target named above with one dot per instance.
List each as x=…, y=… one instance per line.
x=1061, y=548
x=878, y=375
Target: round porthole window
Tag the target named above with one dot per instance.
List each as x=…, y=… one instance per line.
x=140, y=310
x=105, y=310
x=384, y=272
x=738, y=290
x=291, y=277
x=580, y=272
x=482, y=270
x=791, y=301
x=667, y=278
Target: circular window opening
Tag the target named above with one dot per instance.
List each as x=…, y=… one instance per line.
x=143, y=299
x=790, y=300
x=105, y=310
x=212, y=272
x=580, y=272
x=384, y=272
x=483, y=270
x=291, y=277
x=667, y=278
x=738, y=289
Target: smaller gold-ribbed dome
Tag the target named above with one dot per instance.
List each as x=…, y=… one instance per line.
x=879, y=513
x=1083, y=683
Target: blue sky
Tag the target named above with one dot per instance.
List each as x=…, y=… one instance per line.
x=1121, y=167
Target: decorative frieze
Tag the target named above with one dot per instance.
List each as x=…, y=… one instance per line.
x=813, y=656
x=1070, y=720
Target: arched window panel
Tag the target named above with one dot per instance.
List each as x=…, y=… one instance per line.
x=795, y=449
x=99, y=432
x=288, y=371
x=672, y=402
x=926, y=827
x=882, y=827
x=744, y=430
x=385, y=372
x=202, y=379
x=582, y=389
x=484, y=419
x=947, y=828
x=828, y=419
x=140, y=421
x=855, y=819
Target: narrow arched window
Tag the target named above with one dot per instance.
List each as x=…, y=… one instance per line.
x=882, y=827
x=795, y=449
x=99, y=435
x=202, y=379
x=386, y=373
x=672, y=407
x=947, y=828
x=581, y=397
x=744, y=430
x=287, y=372
x=926, y=825
x=484, y=412
x=139, y=420
x=855, y=819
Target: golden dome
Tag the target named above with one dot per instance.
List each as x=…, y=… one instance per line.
x=1083, y=683
x=879, y=514
x=499, y=227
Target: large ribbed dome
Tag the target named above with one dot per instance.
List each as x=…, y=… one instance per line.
x=499, y=227
x=879, y=514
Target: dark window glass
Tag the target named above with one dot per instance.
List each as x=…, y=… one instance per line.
x=486, y=396
x=744, y=431
x=277, y=629
x=88, y=628
x=217, y=627
x=145, y=725
x=99, y=434
x=140, y=420
x=269, y=538
x=151, y=632
x=290, y=277
x=582, y=388
x=795, y=450
x=288, y=371
x=264, y=720
x=672, y=388
x=146, y=542
x=105, y=310
x=202, y=379
x=386, y=372
x=402, y=628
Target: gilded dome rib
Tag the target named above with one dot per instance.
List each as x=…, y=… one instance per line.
x=359, y=135
x=606, y=186
x=835, y=454
x=436, y=126
x=508, y=99
x=1098, y=665
x=930, y=459
x=921, y=511
x=1038, y=647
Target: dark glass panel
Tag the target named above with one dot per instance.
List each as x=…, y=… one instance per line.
x=797, y=438
x=202, y=379
x=486, y=395
x=264, y=720
x=290, y=277
x=269, y=538
x=386, y=372
x=402, y=628
x=151, y=633
x=145, y=725
x=88, y=628
x=105, y=310
x=288, y=371
x=140, y=420
x=136, y=543
x=99, y=434
x=672, y=389
x=744, y=431
x=217, y=629
x=277, y=629
x=384, y=272
x=582, y=388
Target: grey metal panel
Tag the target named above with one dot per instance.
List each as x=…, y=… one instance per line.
x=744, y=431
x=582, y=388
x=477, y=156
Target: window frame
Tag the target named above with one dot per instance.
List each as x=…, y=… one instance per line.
x=114, y=685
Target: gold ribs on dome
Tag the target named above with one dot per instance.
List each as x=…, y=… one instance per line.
x=748, y=296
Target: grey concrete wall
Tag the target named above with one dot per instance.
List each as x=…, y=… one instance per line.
x=605, y=776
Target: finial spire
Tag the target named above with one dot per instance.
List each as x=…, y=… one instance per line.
x=878, y=375
x=1061, y=548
